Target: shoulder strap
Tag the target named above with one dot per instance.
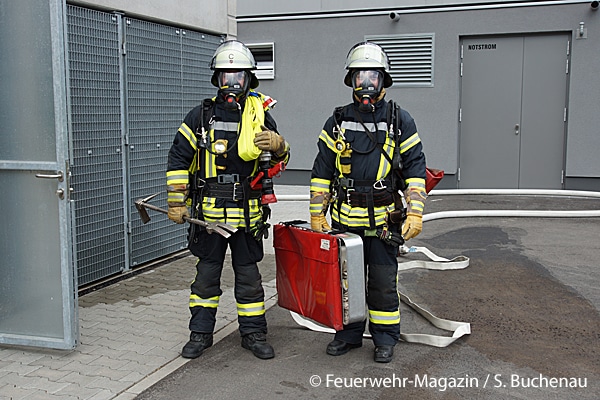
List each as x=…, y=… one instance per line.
x=205, y=113
x=393, y=119
x=394, y=122
x=338, y=112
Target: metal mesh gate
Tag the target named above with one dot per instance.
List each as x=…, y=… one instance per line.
x=131, y=83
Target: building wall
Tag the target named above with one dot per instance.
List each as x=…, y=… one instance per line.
x=310, y=51
x=277, y=7
x=212, y=16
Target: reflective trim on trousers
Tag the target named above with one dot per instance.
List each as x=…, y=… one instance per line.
x=197, y=301
x=384, y=317
x=251, y=309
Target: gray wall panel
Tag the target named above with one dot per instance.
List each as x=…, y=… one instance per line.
x=269, y=7
x=309, y=73
x=154, y=112
x=97, y=162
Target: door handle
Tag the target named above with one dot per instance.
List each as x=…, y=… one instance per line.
x=517, y=127
x=59, y=175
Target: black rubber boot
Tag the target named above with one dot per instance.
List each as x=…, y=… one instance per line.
x=384, y=354
x=257, y=343
x=339, y=347
x=197, y=344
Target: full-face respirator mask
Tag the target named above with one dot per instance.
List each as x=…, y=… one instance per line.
x=367, y=85
x=233, y=86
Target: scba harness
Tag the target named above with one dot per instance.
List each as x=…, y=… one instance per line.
x=379, y=192
x=232, y=187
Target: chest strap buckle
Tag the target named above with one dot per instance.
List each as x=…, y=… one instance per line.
x=228, y=178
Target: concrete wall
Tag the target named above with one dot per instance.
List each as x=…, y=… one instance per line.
x=212, y=16
x=310, y=51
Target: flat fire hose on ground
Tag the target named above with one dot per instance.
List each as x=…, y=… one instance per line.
x=462, y=328
x=458, y=329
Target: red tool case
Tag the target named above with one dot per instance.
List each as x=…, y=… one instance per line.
x=313, y=276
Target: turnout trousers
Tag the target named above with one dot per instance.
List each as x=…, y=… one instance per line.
x=206, y=291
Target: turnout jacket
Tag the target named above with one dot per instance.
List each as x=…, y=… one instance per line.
x=222, y=173
x=367, y=135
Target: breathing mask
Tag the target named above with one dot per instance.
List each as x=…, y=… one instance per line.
x=233, y=86
x=367, y=85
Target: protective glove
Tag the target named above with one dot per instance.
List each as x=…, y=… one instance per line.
x=389, y=237
x=318, y=206
x=177, y=212
x=318, y=223
x=176, y=196
x=413, y=225
x=260, y=230
x=268, y=140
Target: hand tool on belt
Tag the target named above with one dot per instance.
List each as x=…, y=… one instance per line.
x=222, y=229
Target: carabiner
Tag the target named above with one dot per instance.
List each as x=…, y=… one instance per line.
x=379, y=185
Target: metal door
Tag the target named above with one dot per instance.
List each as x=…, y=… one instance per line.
x=38, y=303
x=512, y=116
x=543, y=119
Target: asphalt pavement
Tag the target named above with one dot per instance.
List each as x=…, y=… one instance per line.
x=530, y=293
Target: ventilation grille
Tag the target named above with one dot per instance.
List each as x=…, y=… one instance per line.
x=411, y=58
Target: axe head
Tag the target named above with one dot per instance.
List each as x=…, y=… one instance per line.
x=139, y=205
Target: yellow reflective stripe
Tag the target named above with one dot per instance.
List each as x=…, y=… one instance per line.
x=210, y=160
x=359, y=216
x=189, y=135
x=384, y=165
x=251, y=309
x=197, y=301
x=329, y=142
x=410, y=142
x=175, y=197
x=415, y=184
x=315, y=209
x=384, y=317
x=319, y=185
x=416, y=205
x=231, y=215
x=177, y=177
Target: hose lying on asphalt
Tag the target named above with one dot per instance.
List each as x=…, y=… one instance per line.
x=497, y=213
x=514, y=213
x=457, y=328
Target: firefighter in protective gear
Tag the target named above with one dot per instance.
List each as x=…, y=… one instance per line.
x=211, y=164
x=356, y=177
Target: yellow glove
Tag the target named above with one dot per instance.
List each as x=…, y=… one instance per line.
x=318, y=205
x=413, y=225
x=318, y=223
x=176, y=196
x=268, y=140
x=177, y=212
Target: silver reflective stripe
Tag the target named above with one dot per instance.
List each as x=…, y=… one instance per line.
x=356, y=126
x=225, y=126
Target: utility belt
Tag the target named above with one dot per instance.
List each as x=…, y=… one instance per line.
x=379, y=195
x=228, y=186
